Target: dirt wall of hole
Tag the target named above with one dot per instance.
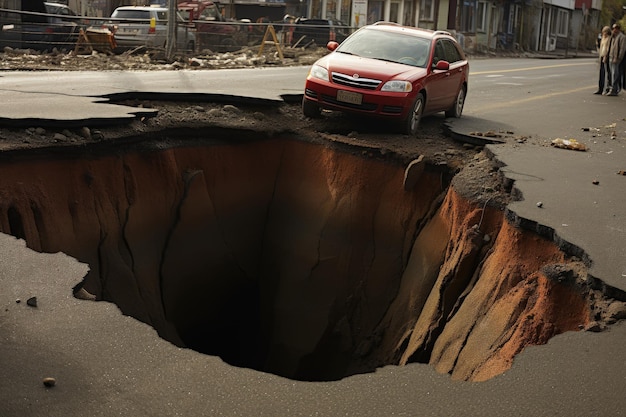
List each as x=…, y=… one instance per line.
x=296, y=259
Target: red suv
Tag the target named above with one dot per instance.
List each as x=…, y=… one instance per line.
x=390, y=71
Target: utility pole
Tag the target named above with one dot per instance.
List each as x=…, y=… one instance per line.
x=171, y=30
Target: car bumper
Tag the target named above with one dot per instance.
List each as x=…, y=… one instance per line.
x=375, y=103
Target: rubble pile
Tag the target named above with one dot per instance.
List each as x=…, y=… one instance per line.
x=152, y=60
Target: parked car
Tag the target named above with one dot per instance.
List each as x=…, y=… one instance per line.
x=320, y=31
x=390, y=71
x=45, y=26
x=59, y=9
x=213, y=30
x=136, y=26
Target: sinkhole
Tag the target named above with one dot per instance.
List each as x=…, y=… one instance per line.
x=299, y=259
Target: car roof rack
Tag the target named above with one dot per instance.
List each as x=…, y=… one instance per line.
x=384, y=23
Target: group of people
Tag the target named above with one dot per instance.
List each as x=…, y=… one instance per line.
x=611, y=50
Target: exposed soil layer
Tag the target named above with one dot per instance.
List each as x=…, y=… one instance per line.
x=302, y=248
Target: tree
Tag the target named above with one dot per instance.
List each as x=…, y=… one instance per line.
x=613, y=11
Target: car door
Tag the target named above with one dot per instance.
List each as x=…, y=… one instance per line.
x=437, y=85
x=443, y=84
x=456, y=73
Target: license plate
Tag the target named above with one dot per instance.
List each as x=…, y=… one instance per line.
x=349, y=97
x=127, y=31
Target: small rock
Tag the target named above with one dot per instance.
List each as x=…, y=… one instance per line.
x=595, y=182
x=231, y=109
x=32, y=301
x=97, y=135
x=539, y=204
x=199, y=109
x=616, y=310
x=595, y=327
x=258, y=115
x=49, y=382
x=59, y=137
x=40, y=131
x=85, y=132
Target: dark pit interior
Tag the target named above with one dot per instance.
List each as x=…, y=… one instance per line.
x=295, y=258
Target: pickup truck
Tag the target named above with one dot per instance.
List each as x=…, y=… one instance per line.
x=213, y=30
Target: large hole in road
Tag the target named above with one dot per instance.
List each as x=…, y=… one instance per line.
x=302, y=260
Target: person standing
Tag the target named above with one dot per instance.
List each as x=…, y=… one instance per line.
x=617, y=49
x=604, y=78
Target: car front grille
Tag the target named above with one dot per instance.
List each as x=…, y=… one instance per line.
x=356, y=82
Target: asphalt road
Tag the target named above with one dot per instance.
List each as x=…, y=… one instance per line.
x=107, y=364
x=74, y=96
x=550, y=99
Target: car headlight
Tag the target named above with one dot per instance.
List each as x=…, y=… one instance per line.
x=318, y=72
x=397, y=86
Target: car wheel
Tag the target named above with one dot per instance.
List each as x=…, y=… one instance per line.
x=457, y=109
x=411, y=123
x=228, y=45
x=310, y=109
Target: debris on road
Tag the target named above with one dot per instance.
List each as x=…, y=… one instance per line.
x=49, y=382
x=568, y=144
x=621, y=172
x=32, y=301
x=488, y=134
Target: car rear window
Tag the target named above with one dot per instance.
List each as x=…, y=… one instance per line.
x=131, y=14
x=138, y=14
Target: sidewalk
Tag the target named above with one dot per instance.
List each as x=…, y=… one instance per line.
x=556, y=54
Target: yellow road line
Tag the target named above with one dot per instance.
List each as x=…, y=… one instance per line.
x=529, y=68
x=511, y=103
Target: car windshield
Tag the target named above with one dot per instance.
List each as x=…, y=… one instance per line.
x=387, y=46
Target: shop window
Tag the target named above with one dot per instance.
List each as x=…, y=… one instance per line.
x=427, y=10
x=468, y=17
x=481, y=17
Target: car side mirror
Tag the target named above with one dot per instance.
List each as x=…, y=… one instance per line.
x=442, y=65
x=332, y=45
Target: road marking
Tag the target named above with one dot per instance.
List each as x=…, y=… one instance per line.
x=511, y=103
x=530, y=68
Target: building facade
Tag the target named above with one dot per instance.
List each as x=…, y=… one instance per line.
x=480, y=25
